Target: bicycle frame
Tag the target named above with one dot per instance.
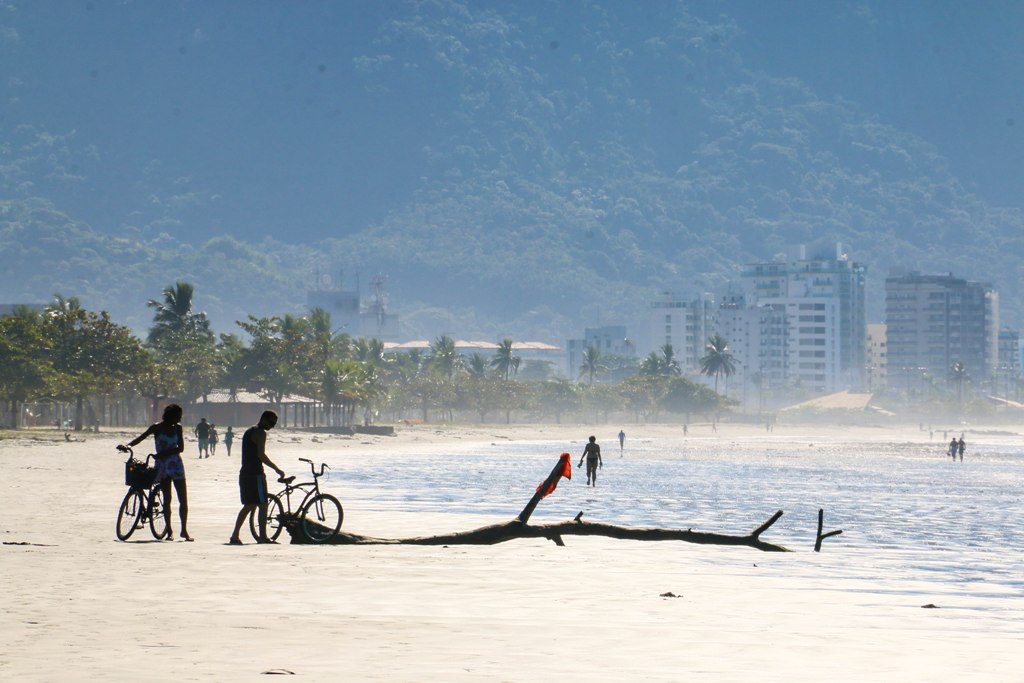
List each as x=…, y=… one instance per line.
x=319, y=514
x=310, y=488
x=146, y=496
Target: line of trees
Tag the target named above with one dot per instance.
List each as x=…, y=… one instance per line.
x=100, y=370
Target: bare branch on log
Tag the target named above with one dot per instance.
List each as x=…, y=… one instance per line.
x=821, y=537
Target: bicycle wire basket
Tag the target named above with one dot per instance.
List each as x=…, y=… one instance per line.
x=137, y=475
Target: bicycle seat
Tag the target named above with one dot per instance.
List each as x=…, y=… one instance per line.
x=286, y=480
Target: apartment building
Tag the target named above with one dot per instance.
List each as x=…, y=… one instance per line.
x=816, y=329
x=933, y=321
x=686, y=324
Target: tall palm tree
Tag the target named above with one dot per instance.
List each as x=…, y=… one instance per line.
x=593, y=364
x=443, y=356
x=718, y=360
x=505, y=361
x=174, y=313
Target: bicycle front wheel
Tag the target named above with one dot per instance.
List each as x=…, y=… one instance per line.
x=157, y=513
x=129, y=514
x=321, y=518
x=274, y=524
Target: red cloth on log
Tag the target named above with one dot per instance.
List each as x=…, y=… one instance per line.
x=565, y=460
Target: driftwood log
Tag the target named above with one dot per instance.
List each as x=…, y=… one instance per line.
x=520, y=528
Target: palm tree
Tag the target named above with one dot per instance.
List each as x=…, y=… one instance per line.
x=592, y=363
x=505, y=361
x=444, y=356
x=477, y=366
x=718, y=361
x=669, y=364
x=650, y=366
x=174, y=313
x=369, y=351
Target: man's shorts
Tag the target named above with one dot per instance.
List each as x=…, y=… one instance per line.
x=203, y=444
x=252, y=488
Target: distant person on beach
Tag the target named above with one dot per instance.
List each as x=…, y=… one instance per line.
x=170, y=444
x=954, y=447
x=202, y=432
x=686, y=430
x=212, y=439
x=622, y=442
x=592, y=452
x=961, y=447
x=229, y=438
x=252, y=480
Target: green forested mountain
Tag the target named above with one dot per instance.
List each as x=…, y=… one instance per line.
x=541, y=167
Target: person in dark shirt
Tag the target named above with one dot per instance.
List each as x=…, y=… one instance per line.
x=592, y=452
x=202, y=432
x=252, y=481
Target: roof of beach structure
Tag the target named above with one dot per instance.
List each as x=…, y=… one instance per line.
x=463, y=344
x=841, y=400
x=224, y=396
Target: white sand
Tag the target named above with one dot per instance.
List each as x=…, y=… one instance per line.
x=76, y=604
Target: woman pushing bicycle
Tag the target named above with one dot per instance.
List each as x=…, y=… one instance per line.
x=170, y=444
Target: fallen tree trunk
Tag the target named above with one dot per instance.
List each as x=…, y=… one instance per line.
x=516, y=529
x=519, y=528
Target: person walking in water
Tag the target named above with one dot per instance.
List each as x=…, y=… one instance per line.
x=954, y=448
x=252, y=480
x=592, y=452
x=961, y=447
x=170, y=444
x=622, y=442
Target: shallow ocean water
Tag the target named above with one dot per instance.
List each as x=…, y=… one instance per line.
x=893, y=495
x=908, y=512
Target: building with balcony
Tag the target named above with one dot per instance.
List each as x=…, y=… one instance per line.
x=820, y=304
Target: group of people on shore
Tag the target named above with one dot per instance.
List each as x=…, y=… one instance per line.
x=170, y=469
x=206, y=434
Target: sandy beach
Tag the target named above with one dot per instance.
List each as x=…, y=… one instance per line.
x=76, y=604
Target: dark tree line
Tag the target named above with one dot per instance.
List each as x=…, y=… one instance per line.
x=83, y=360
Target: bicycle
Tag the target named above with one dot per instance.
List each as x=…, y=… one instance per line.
x=319, y=514
x=144, y=503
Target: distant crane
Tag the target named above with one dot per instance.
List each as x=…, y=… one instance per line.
x=379, y=306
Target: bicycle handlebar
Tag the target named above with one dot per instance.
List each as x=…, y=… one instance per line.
x=131, y=453
x=312, y=467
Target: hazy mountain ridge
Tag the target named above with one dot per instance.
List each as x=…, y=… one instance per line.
x=574, y=165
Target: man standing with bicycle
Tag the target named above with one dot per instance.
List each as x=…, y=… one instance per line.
x=252, y=480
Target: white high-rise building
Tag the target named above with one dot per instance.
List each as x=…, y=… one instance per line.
x=685, y=324
x=814, y=329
